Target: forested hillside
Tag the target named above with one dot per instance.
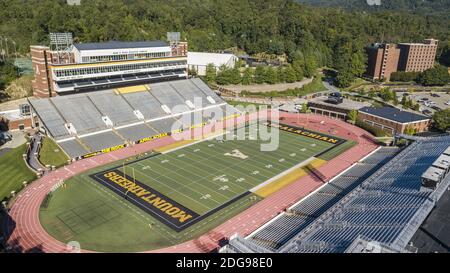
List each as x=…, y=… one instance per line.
x=322, y=36
x=419, y=6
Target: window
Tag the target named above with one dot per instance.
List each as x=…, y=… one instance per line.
x=115, y=68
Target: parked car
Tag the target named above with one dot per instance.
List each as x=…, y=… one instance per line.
x=447, y=103
x=429, y=103
x=437, y=108
x=335, y=98
x=427, y=112
x=435, y=95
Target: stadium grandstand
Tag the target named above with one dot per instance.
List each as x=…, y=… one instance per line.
x=377, y=205
x=97, y=66
x=89, y=123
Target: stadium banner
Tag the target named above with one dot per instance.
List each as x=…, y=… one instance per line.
x=306, y=133
x=104, y=151
x=163, y=208
x=198, y=125
x=230, y=117
x=147, y=139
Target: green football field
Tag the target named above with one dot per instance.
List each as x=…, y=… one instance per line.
x=133, y=205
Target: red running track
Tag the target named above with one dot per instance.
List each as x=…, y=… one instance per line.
x=24, y=232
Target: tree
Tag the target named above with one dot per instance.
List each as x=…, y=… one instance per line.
x=305, y=109
x=210, y=73
x=344, y=79
x=298, y=65
x=353, y=116
x=260, y=74
x=387, y=95
x=235, y=76
x=8, y=73
x=409, y=130
x=395, y=100
x=281, y=76
x=309, y=65
x=270, y=75
x=192, y=72
x=436, y=76
x=289, y=74
x=441, y=120
x=224, y=76
x=247, y=77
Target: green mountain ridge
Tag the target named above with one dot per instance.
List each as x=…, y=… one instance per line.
x=419, y=6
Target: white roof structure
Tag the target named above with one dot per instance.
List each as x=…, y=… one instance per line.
x=204, y=58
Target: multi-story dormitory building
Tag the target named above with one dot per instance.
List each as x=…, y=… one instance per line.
x=384, y=59
x=93, y=66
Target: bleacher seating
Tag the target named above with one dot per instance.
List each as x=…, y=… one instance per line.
x=387, y=207
x=279, y=231
x=102, y=140
x=145, y=103
x=73, y=148
x=165, y=125
x=104, y=119
x=50, y=117
x=190, y=91
x=113, y=106
x=206, y=90
x=136, y=132
x=81, y=112
x=166, y=95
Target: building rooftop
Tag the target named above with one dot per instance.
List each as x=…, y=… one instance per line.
x=346, y=103
x=394, y=114
x=204, y=58
x=119, y=45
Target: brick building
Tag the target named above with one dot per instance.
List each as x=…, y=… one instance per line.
x=384, y=59
x=97, y=66
x=393, y=120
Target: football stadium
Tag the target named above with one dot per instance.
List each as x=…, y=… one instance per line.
x=160, y=162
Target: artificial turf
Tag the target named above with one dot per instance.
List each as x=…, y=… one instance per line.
x=200, y=176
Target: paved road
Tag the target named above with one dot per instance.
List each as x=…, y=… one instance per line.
x=33, y=160
x=330, y=87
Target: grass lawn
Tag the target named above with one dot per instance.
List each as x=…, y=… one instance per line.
x=51, y=154
x=313, y=87
x=246, y=104
x=13, y=171
x=212, y=178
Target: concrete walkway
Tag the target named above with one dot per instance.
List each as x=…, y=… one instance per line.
x=266, y=87
x=33, y=159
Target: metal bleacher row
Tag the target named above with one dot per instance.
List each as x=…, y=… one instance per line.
x=385, y=209
x=89, y=122
x=388, y=207
x=288, y=224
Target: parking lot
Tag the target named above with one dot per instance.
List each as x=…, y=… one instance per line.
x=429, y=101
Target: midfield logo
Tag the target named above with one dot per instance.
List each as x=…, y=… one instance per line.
x=237, y=153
